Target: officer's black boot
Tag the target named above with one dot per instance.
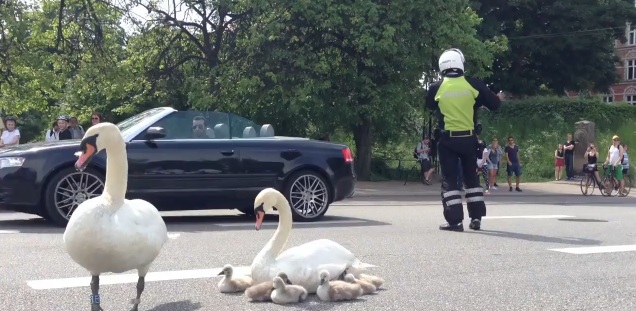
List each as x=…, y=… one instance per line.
x=453, y=211
x=456, y=227
x=475, y=224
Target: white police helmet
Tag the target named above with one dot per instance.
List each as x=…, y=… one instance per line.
x=451, y=59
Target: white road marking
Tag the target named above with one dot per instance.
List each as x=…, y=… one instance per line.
x=106, y=279
x=529, y=217
x=596, y=249
x=173, y=235
x=9, y=231
x=273, y=224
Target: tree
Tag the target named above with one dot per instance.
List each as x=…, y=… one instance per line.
x=556, y=45
x=353, y=65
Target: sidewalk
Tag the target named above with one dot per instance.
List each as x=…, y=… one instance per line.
x=414, y=188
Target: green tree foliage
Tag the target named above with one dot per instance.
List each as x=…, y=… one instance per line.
x=351, y=65
x=555, y=45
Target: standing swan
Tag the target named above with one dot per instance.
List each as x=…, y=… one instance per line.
x=109, y=233
x=301, y=263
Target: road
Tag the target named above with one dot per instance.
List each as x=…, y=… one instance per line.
x=535, y=253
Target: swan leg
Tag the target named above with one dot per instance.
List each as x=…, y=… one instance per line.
x=141, y=283
x=95, y=301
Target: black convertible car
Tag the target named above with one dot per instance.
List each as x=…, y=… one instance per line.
x=183, y=160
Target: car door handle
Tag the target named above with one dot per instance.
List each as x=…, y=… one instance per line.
x=227, y=152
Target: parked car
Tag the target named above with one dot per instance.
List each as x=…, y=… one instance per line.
x=183, y=160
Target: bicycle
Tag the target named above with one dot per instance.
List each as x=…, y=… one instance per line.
x=611, y=186
x=590, y=180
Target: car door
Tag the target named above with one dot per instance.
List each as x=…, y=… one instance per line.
x=183, y=172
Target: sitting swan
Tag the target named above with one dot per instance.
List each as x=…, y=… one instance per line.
x=301, y=263
x=262, y=292
x=284, y=294
x=231, y=283
x=109, y=233
x=337, y=290
x=367, y=287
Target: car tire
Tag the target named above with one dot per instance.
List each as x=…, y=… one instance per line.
x=61, y=182
x=296, y=189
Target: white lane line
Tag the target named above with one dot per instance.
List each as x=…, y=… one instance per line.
x=174, y=235
x=529, y=217
x=9, y=231
x=596, y=249
x=106, y=279
x=317, y=223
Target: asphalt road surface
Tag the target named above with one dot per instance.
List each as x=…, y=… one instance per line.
x=535, y=253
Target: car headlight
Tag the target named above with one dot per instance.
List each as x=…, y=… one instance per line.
x=11, y=162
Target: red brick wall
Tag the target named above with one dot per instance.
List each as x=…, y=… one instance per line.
x=624, y=51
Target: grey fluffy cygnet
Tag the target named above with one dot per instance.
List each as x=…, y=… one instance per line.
x=367, y=287
x=263, y=291
x=375, y=280
x=233, y=284
x=284, y=294
x=337, y=290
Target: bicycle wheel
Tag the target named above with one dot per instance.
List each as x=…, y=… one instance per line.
x=628, y=185
x=617, y=187
x=586, y=184
x=608, y=186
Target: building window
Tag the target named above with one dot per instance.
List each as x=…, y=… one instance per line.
x=630, y=99
x=631, y=34
x=630, y=72
x=608, y=99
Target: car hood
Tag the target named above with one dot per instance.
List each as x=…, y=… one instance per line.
x=33, y=147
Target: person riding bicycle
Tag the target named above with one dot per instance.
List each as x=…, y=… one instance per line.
x=592, y=158
x=625, y=160
x=613, y=162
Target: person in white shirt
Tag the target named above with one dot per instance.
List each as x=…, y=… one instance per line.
x=422, y=151
x=613, y=161
x=11, y=135
x=483, y=160
x=53, y=134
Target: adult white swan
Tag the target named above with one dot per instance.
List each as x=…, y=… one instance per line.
x=302, y=263
x=109, y=233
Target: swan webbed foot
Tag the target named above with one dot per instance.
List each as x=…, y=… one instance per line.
x=141, y=283
x=95, y=300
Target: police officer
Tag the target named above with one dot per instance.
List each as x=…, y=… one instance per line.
x=456, y=99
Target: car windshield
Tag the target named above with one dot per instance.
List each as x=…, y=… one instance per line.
x=132, y=121
x=191, y=124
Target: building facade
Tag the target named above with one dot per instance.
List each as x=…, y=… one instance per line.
x=625, y=90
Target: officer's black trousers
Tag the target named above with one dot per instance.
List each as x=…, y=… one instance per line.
x=464, y=148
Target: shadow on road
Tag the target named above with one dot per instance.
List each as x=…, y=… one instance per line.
x=185, y=305
x=203, y=223
x=537, y=238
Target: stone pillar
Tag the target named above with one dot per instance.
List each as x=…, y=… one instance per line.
x=584, y=135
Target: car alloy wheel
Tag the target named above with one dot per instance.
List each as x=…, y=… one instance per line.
x=74, y=189
x=309, y=196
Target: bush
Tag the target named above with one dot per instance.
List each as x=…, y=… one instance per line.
x=540, y=124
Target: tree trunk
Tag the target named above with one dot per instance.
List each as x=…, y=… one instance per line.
x=363, y=139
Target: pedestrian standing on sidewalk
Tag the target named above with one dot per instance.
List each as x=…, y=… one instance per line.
x=569, y=146
x=456, y=98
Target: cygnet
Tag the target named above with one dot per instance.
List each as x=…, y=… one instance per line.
x=263, y=291
x=336, y=290
x=284, y=294
x=230, y=284
x=367, y=287
x=375, y=280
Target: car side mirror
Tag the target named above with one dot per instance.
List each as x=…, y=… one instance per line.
x=155, y=132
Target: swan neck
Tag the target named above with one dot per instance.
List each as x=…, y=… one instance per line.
x=116, y=173
x=280, y=237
